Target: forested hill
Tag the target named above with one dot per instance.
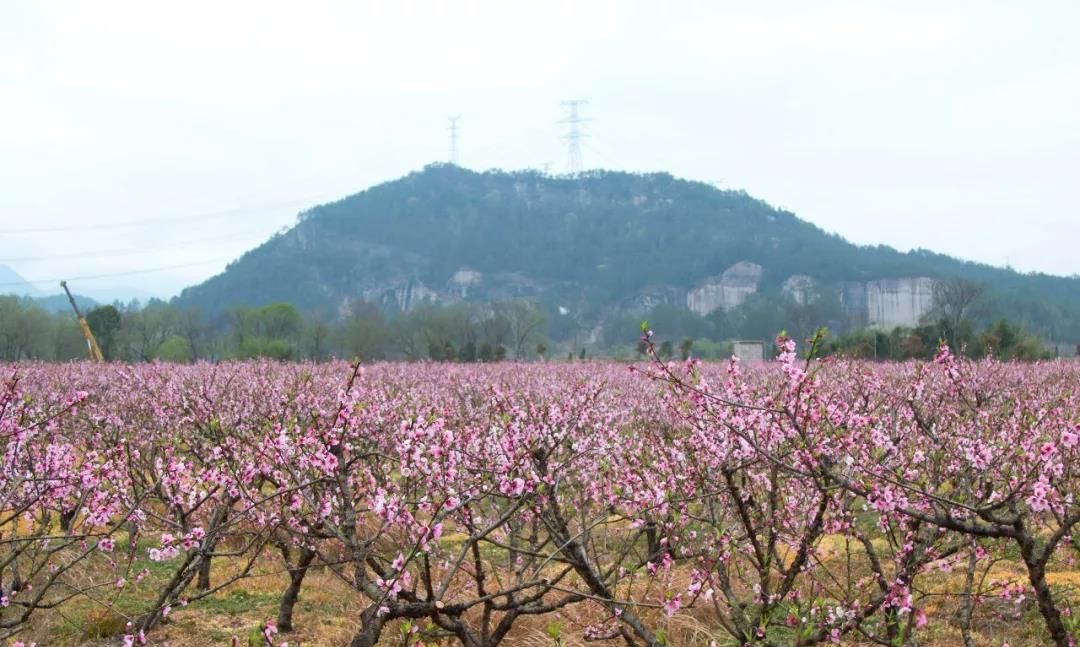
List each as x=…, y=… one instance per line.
x=597, y=245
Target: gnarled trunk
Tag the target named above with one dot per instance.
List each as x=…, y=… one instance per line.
x=292, y=592
x=1035, y=561
x=371, y=625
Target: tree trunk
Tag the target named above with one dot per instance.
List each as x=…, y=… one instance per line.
x=203, y=583
x=292, y=593
x=1036, y=566
x=67, y=519
x=370, y=627
x=969, y=603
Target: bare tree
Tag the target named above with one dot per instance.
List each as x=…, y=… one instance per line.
x=526, y=323
x=953, y=299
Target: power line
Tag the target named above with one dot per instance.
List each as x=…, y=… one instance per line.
x=604, y=159
x=454, y=138
x=573, y=135
x=129, y=250
x=150, y=221
x=110, y=275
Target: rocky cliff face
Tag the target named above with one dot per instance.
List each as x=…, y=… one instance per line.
x=407, y=295
x=463, y=282
x=801, y=288
x=883, y=303
x=887, y=303
x=652, y=296
x=726, y=291
x=898, y=302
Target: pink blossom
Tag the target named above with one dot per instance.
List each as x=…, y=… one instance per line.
x=920, y=618
x=672, y=605
x=1069, y=439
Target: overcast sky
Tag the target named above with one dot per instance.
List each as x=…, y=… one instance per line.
x=953, y=126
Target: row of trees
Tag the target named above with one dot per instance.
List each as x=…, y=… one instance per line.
x=474, y=332
x=952, y=319
x=162, y=331
x=1003, y=340
x=814, y=502
x=158, y=331
x=760, y=316
x=959, y=316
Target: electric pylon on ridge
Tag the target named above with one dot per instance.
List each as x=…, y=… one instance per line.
x=453, y=119
x=573, y=136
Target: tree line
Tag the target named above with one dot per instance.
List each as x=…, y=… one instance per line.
x=169, y=332
x=484, y=332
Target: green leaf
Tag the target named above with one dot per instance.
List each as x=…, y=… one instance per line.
x=554, y=630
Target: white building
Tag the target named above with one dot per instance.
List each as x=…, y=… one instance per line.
x=748, y=351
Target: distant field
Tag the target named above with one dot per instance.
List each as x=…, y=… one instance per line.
x=788, y=503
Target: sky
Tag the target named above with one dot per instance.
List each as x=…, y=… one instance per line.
x=145, y=144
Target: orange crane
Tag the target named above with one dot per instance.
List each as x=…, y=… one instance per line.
x=91, y=343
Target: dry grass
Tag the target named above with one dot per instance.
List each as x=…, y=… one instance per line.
x=328, y=611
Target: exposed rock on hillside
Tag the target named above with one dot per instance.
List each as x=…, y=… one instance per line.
x=726, y=291
x=898, y=302
x=887, y=303
x=801, y=288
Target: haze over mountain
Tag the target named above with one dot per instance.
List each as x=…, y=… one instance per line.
x=52, y=298
x=11, y=282
x=948, y=126
x=601, y=246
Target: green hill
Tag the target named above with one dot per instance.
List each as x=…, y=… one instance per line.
x=605, y=245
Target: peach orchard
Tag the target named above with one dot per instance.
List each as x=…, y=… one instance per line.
x=794, y=503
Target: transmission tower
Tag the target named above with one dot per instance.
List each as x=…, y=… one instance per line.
x=574, y=135
x=454, y=139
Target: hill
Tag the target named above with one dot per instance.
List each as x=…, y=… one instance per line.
x=58, y=303
x=11, y=282
x=602, y=245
